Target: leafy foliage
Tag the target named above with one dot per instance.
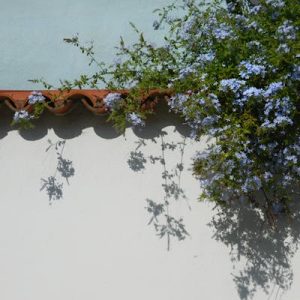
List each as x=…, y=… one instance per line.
x=233, y=69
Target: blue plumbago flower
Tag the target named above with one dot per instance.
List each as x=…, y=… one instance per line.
x=252, y=92
x=282, y=109
x=201, y=101
x=186, y=28
x=276, y=3
x=251, y=184
x=262, y=147
x=135, y=119
x=223, y=31
x=286, y=31
x=176, y=102
x=240, y=101
x=248, y=69
x=232, y=84
x=231, y=6
x=273, y=88
x=206, y=57
x=241, y=19
x=281, y=119
x=21, y=115
x=254, y=44
x=203, y=76
x=36, y=97
x=287, y=180
x=255, y=9
x=229, y=165
x=254, y=25
x=243, y=158
x=267, y=175
x=275, y=15
x=184, y=35
x=272, y=146
x=292, y=158
x=296, y=147
x=184, y=72
x=283, y=48
x=215, y=101
x=296, y=72
x=202, y=155
x=208, y=121
x=246, y=94
x=194, y=123
x=269, y=106
x=285, y=105
x=208, y=26
x=112, y=100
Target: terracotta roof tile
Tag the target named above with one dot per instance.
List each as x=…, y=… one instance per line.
x=60, y=103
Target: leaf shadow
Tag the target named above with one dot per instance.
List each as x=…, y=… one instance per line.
x=261, y=255
x=64, y=170
x=164, y=223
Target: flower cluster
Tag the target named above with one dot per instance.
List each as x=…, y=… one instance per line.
x=249, y=69
x=232, y=84
x=23, y=118
x=112, y=100
x=36, y=97
x=286, y=31
x=135, y=119
x=223, y=31
x=21, y=115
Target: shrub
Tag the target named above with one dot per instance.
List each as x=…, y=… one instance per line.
x=233, y=69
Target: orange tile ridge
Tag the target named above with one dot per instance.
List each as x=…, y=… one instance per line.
x=61, y=102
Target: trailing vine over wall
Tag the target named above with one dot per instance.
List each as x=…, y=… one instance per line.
x=232, y=72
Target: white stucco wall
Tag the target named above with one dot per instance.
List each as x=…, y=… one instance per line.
x=95, y=242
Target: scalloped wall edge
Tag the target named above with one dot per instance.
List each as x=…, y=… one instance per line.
x=61, y=102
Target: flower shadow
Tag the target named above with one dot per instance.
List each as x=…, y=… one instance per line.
x=53, y=187
x=261, y=255
x=164, y=223
x=136, y=161
x=64, y=169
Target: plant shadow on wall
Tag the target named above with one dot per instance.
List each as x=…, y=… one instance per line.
x=248, y=102
x=53, y=185
x=80, y=119
x=165, y=224
x=261, y=255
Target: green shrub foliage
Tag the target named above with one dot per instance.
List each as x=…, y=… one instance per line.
x=233, y=71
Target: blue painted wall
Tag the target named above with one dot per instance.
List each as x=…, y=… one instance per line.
x=32, y=32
